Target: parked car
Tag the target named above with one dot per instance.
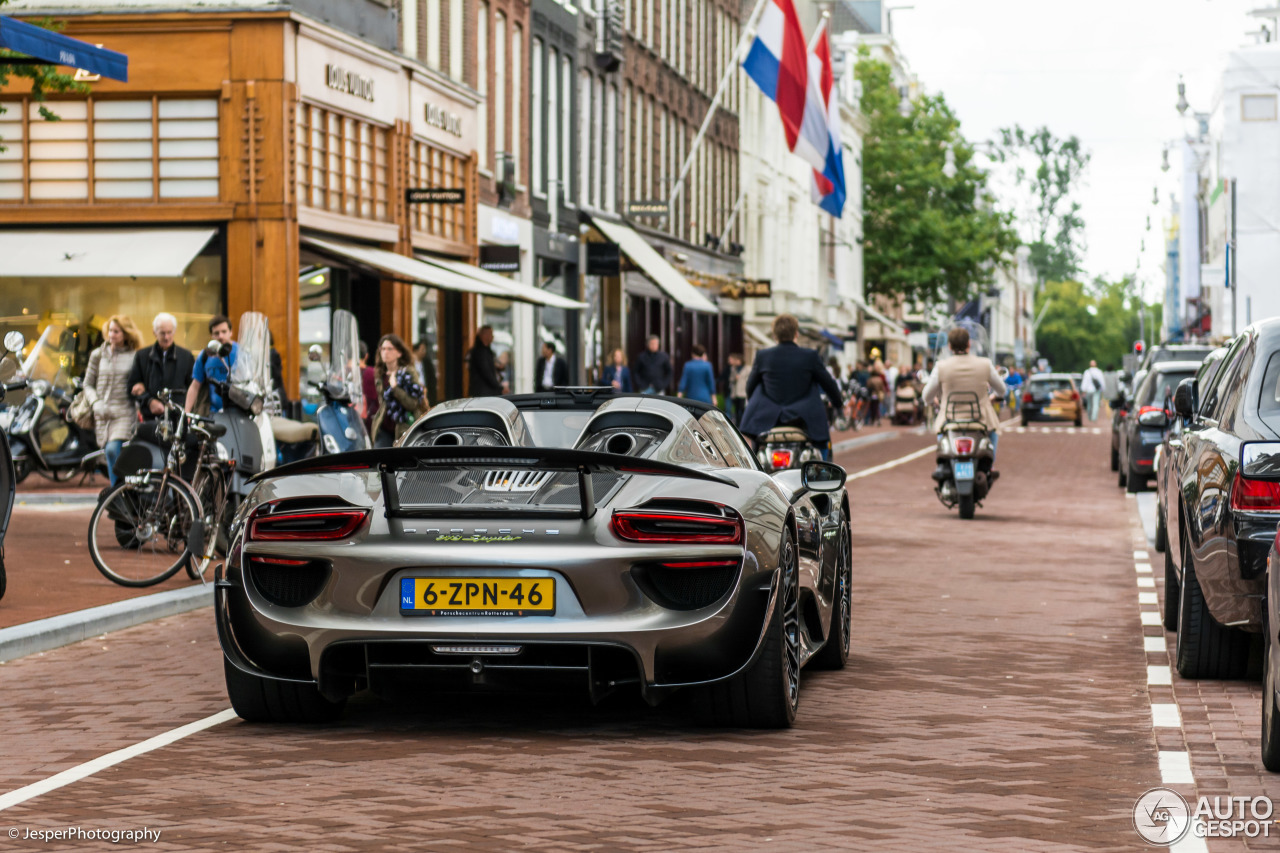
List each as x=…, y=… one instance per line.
x=1227, y=508
x=1169, y=458
x=1173, y=352
x=1146, y=420
x=1119, y=410
x=585, y=538
x=1052, y=397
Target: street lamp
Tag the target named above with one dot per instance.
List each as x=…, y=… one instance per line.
x=1164, y=162
x=1182, y=97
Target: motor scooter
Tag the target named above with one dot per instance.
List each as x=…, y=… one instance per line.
x=966, y=454
x=13, y=344
x=340, y=415
x=786, y=447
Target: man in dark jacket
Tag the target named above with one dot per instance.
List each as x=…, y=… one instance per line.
x=552, y=370
x=652, y=370
x=159, y=367
x=484, y=378
x=785, y=385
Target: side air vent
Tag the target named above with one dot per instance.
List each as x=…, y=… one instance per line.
x=287, y=582
x=687, y=584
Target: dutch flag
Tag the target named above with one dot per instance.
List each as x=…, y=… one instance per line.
x=799, y=81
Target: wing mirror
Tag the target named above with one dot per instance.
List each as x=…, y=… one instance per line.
x=823, y=476
x=1260, y=460
x=14, y=341
x=1183, y=398
x=1157, y=418
x=316, y=353
x=217, y=349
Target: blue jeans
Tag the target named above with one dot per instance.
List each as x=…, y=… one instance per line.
x=995, y=439
x=112, y=453
x=1095, y=398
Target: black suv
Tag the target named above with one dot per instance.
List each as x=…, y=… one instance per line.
x=1145, y=420
x=1226, y=512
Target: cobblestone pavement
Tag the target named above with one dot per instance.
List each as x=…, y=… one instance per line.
x=996, y=699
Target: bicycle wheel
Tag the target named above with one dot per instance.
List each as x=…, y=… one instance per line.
x=137, y=534
x=211, y=489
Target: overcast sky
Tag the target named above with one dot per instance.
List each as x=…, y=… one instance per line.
x=1103, y=70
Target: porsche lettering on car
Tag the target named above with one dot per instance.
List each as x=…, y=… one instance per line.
x=576, y=537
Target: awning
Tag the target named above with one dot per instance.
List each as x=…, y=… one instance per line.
x=877, y=315
x=758, y=336
x=100, y=252
x=655, y=266
x=56, y=49
x=833, y=339
x=518, y=290
x=401, y=267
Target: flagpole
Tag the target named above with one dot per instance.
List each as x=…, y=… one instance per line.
x=733, y=215
x=743, y=41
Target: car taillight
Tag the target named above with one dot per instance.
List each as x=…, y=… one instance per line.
x=305, y=526
x=1027, y=398
x=637, y=525
x=964, y=446
x=1075, y=395
x=1255, y=495
x=1143, y=410
x=781, y=459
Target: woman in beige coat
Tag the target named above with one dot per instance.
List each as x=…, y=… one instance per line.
x=114, y=414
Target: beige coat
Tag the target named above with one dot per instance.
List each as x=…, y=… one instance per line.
x=115, y=416
x=965, y=373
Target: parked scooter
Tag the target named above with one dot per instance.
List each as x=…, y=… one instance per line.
x=42, y=438
x=9, y=370
x=249, y=440
x=340, y=416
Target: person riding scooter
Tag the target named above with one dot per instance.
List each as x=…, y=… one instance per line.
x=968, y=375
x=786, y=386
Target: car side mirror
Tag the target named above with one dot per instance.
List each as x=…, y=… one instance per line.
x=1156, y=418
x=823, y=476
x=1182, y=399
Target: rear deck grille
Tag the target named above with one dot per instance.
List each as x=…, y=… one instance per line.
x=685, y=588
x=288, y=583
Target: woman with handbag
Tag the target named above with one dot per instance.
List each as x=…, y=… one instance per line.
x=401, y=396
x=114, y=414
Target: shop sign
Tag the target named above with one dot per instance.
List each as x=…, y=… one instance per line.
x=604, y=259
x=337, y=77
x=438, y=117
x=435, y=195
x=758, y=288
x=647, y=208
x=500, y=258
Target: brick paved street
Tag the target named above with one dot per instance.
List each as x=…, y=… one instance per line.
x=996, y=700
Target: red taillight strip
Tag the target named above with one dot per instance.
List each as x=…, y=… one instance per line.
x=279, y=561
x=351, y=519
x=701, y=564
x=715, y=530
x=1255, y=495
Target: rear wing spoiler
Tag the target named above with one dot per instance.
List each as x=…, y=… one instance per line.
x=389, y=462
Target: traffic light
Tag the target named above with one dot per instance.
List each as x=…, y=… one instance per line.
x=1137, y=347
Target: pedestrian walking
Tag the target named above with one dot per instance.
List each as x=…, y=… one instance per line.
x=878, y=385
x=426, y=370
x=162, y=366
x=484, y=380
x=697, y=379
x=735, y=386
x=399, y=391
x=115, y=416
x=552, y=371
x=652, y=372
x=212, y=370
x=1091, y=386
x=617, y=374
x=369, y=385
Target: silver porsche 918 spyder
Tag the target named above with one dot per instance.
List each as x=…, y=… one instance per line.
x=615, y=541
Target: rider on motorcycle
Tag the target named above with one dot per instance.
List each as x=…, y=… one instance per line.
x=786, y=386
x=968, y=374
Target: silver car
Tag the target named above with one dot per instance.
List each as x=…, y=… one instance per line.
x=581, y=537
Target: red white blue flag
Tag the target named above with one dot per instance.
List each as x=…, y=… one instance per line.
x=828, y=183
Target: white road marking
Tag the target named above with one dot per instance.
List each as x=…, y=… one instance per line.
x=111, y=759
x=902, y=460
x=1165, y=716
x=1020, y=430
x=1097, y=431
x=1142, y=555
x=1147, y=582
x=1150, y=617
x=1154, y=644
x=1175, y=768
x=1142, y=568
x=1147, y=598
x=1159, y=675
x=1130, y=495
x=1193, y=841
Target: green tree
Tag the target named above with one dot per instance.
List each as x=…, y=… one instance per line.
x=44, y=79
x=928, y=236
x=1050, y=169
x=1097, y=321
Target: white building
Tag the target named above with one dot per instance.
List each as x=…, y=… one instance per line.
x=1012, y=310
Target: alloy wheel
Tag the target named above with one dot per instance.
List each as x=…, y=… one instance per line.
x=790, y=600
x=844, y=578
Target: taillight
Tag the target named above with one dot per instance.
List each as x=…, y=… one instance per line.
x=1142, y=411
x=781, y=459
x=637, y=525
x=1027, y=398
x=700, y=564
x=1255, y=495
x=1075, y=395
x=308, y=525
x=964, y=446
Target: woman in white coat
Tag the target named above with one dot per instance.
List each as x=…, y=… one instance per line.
x=115, y=416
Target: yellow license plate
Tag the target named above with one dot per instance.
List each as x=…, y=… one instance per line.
x=478, y=596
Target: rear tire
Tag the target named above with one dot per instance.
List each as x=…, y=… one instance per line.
x=1135, y=482
x=1162, y=532
x=1270, y=713
x=3, y=581
x=1115, y=459
x=835, y=652
x=263, y=700
x=1025, y=420
x=1122, y=479
x=968, y=504
x=1172, y=594
x=767, y=694
x=1205, y=649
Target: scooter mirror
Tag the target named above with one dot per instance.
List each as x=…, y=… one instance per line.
x=316, y=353
x=214, y=347
x=14, y=341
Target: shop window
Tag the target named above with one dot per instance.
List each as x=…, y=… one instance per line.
x=342, y=164
x=140, y=150
x=430, y=166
